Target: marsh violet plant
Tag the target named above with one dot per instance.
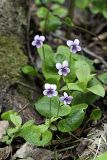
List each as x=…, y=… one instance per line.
x=75, y=81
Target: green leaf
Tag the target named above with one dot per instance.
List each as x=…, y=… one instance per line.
x=49, y=70
x=96, y=114
x=52, y=23
x=43, y=107
x=16, y=119
x=101, y=157
x=12, y=131
x=103, y=78
x=73, y=86
x=88, y=97
x=82, y=5
x=99, y=7
x=63, y=53
x=6, y=115
x=73, y=121
x=59, y=11
x=29, y=70
x=30, y=133
x=13, y=117
x=77, y=107
x=47, y=51
x=36, y=134
x=68, y=21
x=97, y=89
x=42, y=12
x=58, y=1
x=44, y=139
x=83, y=71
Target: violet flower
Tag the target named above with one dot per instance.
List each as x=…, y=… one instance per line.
x=63, y=68
x=74, y=45
x=66, y=99
x=38, y=41
x=50, y=90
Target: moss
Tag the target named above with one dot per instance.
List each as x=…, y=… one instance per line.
x=12, y=58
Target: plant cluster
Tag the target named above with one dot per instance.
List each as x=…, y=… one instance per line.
x=70, y=86
x=52, y=14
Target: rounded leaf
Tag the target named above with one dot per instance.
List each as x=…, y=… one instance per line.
x=43, y=107
x=72, y=122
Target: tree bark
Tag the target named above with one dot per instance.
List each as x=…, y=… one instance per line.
x=13, y=23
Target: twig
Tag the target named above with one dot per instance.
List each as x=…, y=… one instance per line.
x=67, y=148
x=28, y=45
x=97, y=148
x=95, y=56
x=27, y=86
x=23, y=108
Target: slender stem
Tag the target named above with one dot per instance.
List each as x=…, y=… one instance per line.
x=71, y=9
x=73, y=135
x=50, y=113
x=66, y=85
x=58, y=109
x=43, y=52
x=70, y=60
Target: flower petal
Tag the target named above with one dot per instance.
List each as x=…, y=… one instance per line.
x=60, y=72
x=65, y=102
x=47, y=86
x=70, y=98
x=49, y=95
x=70, y=43
x=33, y=43
x=42, y=38
x=73, y=50
x=65, y=63
x=55, y=93
x=62, y=99
x=65, y=73
x=39, y=45
x=58, y=66
x=68, y=70
x=76, y=41
x=36, y=37
x=78, y=48
x=45, y=92
x=53, y=86
x=65, y=94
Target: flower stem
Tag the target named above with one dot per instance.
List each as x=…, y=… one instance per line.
x=43, y=52
x=66, y=85
x=50, y=113
x=70, y=60
x=58, y=109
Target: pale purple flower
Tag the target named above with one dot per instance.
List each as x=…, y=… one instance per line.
x=38, y=41
x=63, y=68
x=74, y=45
x=50, y=90
x=66, y=99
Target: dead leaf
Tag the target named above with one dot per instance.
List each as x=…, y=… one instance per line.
x=4, y=152
x=97, y=142
x=30, y=151
x=4, y=125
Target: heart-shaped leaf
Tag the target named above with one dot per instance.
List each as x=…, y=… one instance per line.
x=73, y=121
x=43, y=107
